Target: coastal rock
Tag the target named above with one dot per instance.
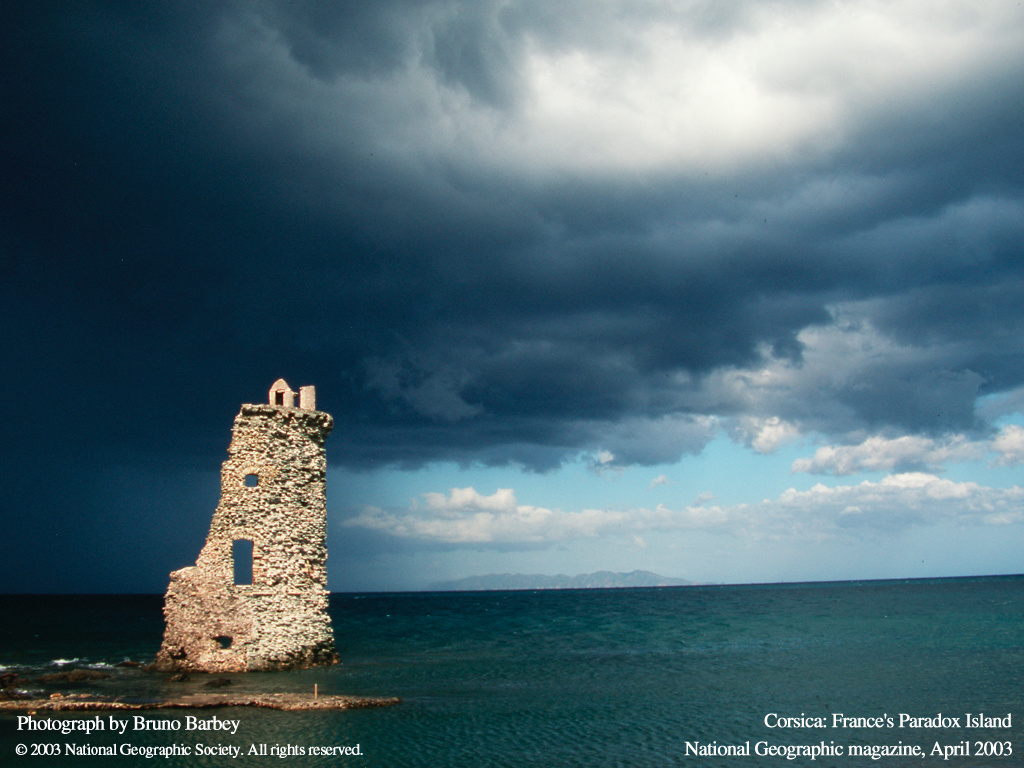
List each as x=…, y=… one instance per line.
x=9, y=684
x=288, y=702
x=73, y=676
x=11, y=679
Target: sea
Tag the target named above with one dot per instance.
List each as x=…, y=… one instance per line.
x=896, y=673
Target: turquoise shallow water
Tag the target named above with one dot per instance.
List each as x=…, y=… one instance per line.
x=584, y=678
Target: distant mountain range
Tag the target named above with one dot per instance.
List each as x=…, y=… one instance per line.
x=598, y=580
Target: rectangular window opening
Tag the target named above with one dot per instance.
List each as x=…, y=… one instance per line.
x=241, y=555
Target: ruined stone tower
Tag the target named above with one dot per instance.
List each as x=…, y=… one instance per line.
x=256, y=599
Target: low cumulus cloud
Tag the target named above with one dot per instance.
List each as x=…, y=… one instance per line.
x=464, y=517
x=1009, y=444
x=882, y=454
x=766, y=434
x=467, y=517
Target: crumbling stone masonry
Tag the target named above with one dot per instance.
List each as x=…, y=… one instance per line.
x=256, y=599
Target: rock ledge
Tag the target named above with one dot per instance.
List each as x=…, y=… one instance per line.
x=289, y=702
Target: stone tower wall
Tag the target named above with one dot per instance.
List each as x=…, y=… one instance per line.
x=272, y=494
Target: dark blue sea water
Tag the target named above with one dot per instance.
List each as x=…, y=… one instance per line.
x=635, y=677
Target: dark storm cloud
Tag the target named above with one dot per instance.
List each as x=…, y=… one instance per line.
x=199, y=199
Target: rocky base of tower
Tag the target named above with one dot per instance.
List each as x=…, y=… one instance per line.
x=219, y=630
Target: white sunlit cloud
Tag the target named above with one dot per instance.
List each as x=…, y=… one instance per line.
x=460, y=499
x=785, y=77
x=604, y=464
x=465, y=517
x=658, y=94
x=877, y=454
x=1009, y=444
x=767, y=435
x=881, y=454
x=676, y=103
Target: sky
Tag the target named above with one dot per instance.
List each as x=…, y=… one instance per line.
x=731, y=292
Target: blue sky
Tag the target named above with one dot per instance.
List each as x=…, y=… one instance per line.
x=775, y=526
x=727, y=291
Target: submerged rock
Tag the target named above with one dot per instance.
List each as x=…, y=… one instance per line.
x=73, y=676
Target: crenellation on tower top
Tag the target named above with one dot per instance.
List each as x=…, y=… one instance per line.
x=282, y=395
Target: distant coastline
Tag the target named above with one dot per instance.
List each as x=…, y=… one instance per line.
x=525, y=581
